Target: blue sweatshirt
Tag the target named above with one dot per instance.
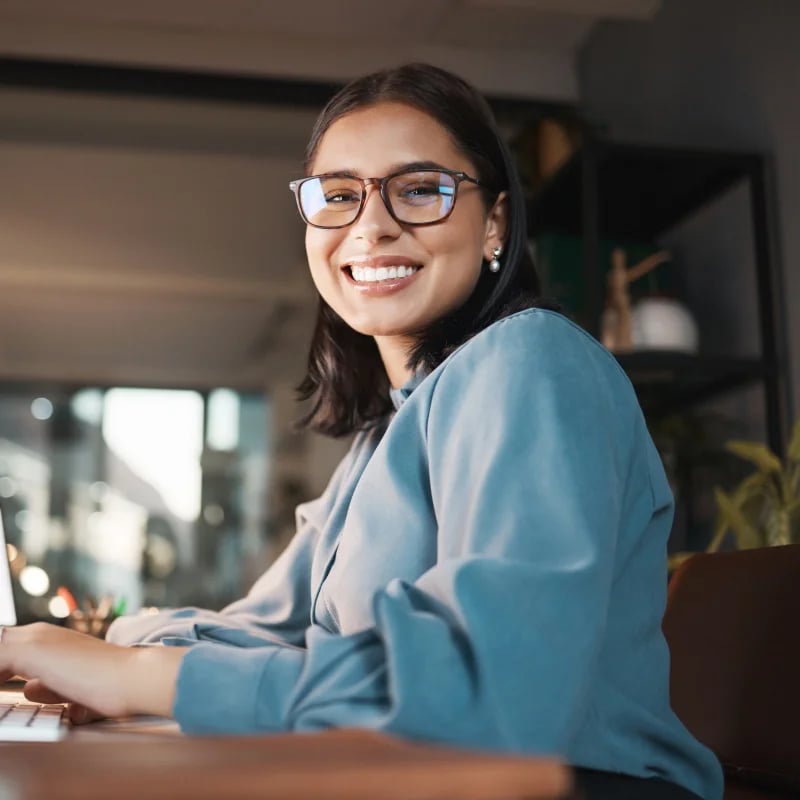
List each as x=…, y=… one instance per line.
x=488, y=571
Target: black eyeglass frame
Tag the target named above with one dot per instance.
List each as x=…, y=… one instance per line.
x=459, y=178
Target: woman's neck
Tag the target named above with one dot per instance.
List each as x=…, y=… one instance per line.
x=394, y=352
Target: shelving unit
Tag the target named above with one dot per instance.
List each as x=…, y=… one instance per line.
x=612, y=191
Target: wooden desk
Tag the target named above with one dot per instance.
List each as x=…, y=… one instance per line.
x=121, y=763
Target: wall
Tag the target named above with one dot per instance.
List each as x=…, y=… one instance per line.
x=148, y=241
x=712, y=73
x=155, y=242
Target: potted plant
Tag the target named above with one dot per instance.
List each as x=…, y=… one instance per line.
x=763, y=510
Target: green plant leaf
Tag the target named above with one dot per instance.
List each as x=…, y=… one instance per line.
x=754, y=486
x=794, y=443
x=720, y=533
x=757, y=509
x=746, y=534
x=758, y=454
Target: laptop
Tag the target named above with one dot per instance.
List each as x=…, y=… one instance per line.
x=8, y=613
x=20, y=720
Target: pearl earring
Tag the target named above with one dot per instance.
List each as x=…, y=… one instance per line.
x=494, y=264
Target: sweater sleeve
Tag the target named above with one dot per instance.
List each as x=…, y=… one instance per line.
x=495, y=645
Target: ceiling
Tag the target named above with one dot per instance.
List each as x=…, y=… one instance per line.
x=505, y=46
x=153, y=241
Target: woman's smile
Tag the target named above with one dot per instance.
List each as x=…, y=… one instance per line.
x=375, y=276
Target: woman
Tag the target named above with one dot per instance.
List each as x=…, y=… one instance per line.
x=487, y=565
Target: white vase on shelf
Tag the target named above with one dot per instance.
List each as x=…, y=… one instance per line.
x=662, y=323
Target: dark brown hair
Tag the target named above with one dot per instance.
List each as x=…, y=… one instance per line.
x=346, y=381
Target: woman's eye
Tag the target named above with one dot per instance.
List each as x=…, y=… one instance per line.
x=421, y=190
x=340, y=197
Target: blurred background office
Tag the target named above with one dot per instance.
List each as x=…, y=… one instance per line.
x=155, y=306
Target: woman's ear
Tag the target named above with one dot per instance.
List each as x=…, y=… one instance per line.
x=496, y=226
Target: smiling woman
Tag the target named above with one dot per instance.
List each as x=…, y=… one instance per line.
x=385, y=228
x=487, y=565
x=416, y=127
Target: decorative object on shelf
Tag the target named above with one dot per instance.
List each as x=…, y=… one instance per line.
x=616, y=325
x=764, y=509
x=654, y=323
x=662, y=323
x=558, y=140
x=561, y=261
x=543, y=148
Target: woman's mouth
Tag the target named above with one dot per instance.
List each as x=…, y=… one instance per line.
x=378, y=274
x=380, y=279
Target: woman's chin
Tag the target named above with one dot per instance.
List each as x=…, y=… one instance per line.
x=381, y=329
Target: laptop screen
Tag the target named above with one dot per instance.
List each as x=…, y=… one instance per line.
x=8, y=615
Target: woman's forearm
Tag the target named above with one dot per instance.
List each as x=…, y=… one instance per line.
x=154, y=676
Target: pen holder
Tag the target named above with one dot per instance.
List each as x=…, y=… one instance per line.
x=95, y=621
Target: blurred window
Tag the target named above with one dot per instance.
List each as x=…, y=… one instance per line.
x=150, y=496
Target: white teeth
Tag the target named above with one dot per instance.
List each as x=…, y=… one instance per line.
x=372, y=275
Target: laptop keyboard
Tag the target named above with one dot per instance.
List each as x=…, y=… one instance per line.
x=31, y=722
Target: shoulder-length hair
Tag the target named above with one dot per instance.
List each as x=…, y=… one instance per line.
x=345, y=380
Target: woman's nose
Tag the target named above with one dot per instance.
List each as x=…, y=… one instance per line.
x=375, y=221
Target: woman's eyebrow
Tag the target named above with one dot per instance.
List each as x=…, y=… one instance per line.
x=398, y=167
x=339, y=173
x=411, y=165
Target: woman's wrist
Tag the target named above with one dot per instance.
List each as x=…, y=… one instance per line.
x=152, y=685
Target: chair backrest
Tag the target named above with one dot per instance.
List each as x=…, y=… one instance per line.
x=733, y=628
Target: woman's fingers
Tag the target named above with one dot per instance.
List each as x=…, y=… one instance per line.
x=37, y=692
x=67, y=666
x=107, y=679
x=80, y=715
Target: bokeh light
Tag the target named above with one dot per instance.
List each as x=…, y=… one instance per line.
x=58, y=607
x=34, y=580
x=42, y=408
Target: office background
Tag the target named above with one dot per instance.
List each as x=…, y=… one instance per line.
x=155, y=306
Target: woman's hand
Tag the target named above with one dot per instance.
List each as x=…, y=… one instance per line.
x=99, y=679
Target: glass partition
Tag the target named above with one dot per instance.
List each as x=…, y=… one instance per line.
x=132, y=497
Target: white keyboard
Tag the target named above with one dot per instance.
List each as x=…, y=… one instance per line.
x=31, y=722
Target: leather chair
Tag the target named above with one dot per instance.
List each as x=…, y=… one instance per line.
x=733, y=628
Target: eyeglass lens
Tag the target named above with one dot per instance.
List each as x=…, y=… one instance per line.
x=413, y=197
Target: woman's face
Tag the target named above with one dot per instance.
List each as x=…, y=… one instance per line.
x=447, y=257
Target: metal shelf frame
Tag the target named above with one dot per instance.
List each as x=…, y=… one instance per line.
x=606, y=191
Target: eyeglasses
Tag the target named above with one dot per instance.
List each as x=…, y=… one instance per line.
x=412, y=197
